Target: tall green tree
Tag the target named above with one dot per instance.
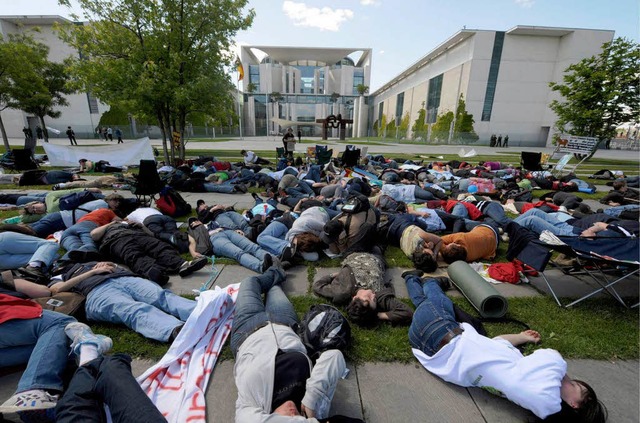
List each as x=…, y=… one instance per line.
x=21, y=62
x=419, y=128
x=362, y=89
x=463, y=128
x=166, y=59
x=440, y=129
x=44, y=95
x=600, y=92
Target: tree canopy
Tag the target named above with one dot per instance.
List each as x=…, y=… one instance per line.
x=162, y=60
x=600, y=92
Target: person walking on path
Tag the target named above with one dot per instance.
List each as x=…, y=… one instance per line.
x=39, y=132
x=104, y=133
x=499, y=142
x=72, y=136
x=299, y=135
x=118, y=133
x=110, y=133
x=506, y=141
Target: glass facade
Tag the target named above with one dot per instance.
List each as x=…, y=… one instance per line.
x=433, y=98
x=358, y=79
x=254, y=77
x=492, y=81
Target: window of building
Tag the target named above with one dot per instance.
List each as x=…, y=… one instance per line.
x=380, y=113
x=358, y=79
x=254, y=76
x=492, y=81
x=433, y=98
x=93, y=103
x=399, y=107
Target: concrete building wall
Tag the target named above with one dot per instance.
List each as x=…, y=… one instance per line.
x=531, y=58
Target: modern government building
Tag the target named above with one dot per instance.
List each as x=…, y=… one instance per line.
x=503, y=76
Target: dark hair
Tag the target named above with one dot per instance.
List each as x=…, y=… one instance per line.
x=114, y=197
x=619, y=184
x=424, y=261
x=361, y=314
x=333, y=228
x=453, y=252
x=591, y=410
x=243, y=151
x=308, y=242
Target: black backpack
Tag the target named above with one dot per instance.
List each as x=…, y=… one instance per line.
x=356, y=203
x=324, y=328
x=76, y=199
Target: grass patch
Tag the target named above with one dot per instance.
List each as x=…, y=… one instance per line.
x=597, y=329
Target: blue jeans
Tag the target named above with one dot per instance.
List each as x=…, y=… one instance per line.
x=314, y=173
x=252, y=313
x=233, y=245
x=78, y=237
x=538, y=221
x=219, y=188
x=422, y=195
x=434, y=316
x=106, y=380
x=272, y=238
x=615, y=211
x=139, y=304
x=31, y=197
x=233, y=220
x=48, y=225
x=17, y=250
x=40, y=342
x=496, y=212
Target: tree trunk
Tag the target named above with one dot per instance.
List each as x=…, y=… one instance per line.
x=7, y=147
x=183, y=122
x=45, y=132
x=165, y=151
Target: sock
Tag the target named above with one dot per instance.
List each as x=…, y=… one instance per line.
x=62, y=185
x=37, y=264
x=88, y=352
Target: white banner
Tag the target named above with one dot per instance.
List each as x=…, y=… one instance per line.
x=129, y=153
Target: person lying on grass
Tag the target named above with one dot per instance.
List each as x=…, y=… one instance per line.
x=458, y=354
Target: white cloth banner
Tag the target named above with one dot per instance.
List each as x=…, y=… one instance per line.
x=177, y=384
x=129, y=153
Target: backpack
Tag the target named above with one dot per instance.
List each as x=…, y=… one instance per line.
x=356, y=203
x=75, y=199
x=172, y=204
x=324, y=328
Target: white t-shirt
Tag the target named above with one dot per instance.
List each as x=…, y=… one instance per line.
x=470, y=359
x=250, y=157
x=139, y=215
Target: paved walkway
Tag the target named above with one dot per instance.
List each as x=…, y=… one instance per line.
x=392, y=392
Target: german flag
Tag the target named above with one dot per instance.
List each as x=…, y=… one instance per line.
x=239, y=68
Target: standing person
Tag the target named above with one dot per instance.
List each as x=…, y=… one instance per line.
x=506, y=141
x=25, y=131
x=499, y=142
x=72, y=136
x=104, y=133
x=119, y=135
x=110, y=133
x=39, y=132
x=286, y=139
x=458, y=354
x=493, y=139
x=299, y=135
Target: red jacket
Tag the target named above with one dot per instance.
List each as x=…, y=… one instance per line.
x=16, y=308
x=474, y=213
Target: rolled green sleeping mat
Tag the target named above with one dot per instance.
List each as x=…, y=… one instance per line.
x=482, y=296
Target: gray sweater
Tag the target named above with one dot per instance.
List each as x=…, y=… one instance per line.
x=254, y=376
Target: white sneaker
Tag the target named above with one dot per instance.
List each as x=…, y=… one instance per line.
x=549, y=238
x=80, y=334
x=34, y=399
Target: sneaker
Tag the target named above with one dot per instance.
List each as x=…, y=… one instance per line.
x=413, y=272
x=267, y=262
x=443, y=282
x=188, y=267
x=288, y=253
x=31, y=400
x=34, y=274
x=81, y=334
x=549, y=238
x=56, y=187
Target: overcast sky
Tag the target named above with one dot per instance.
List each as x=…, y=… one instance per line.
x=399, y=32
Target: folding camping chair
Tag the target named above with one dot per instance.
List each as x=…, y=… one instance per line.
x=350, y=157
x=531, y=161
x=19, y=160
x=147, y=183
x=323, y=156
x=559, y=167
x=604, y=270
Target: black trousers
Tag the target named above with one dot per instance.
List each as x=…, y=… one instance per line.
x=106, y=380
x=144, y=254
